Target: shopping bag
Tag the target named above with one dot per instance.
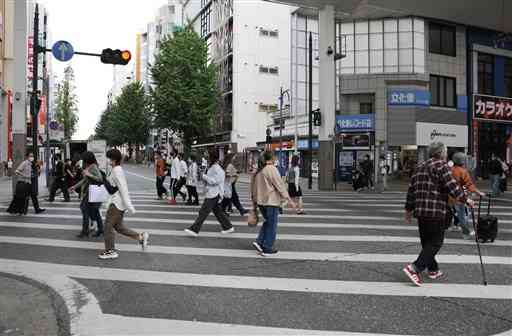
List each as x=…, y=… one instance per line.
x=252, y=218
x=98, y=194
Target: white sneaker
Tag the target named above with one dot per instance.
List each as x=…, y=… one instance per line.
x=111, y=254
x=191, y=233
x=231, y=230
x=454, y=228
x=144, y=241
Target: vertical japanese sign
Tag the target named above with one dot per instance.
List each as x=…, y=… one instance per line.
x=30, y=60
x=490, y=108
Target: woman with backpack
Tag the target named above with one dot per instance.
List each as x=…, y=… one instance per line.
x=268, y=191
x=293, y=179
x=90, y=210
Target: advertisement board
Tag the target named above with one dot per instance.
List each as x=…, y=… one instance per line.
x=450, y=135
x=491, y=108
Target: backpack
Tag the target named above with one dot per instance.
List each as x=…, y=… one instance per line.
x=110, y=188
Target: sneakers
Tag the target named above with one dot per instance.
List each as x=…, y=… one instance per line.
x=231, y=230
x=111, y=254
x=258, y=247
x=144, y=241
x=269, y=253
x=191, y=232
x=454, y=228
x=435, y=275
x=412, y=275
x=40, y=210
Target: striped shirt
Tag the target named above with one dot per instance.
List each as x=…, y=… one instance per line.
x=429, y=189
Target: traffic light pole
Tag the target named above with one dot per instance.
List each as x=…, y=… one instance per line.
x=310, y=111
x=34, y=97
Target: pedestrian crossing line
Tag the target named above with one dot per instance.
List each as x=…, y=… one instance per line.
x=249, y=253
x=464, y=291
x=150, y=326
x=235, y=223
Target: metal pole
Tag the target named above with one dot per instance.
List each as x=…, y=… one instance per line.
x=35, y=81
x=310, y=85
x=46, y=85
x=281, y=130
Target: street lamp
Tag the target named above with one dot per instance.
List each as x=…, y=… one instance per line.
x=281, y=125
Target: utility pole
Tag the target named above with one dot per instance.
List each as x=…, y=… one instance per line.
x=34, y=99
x=46, y=90
x=310, y=111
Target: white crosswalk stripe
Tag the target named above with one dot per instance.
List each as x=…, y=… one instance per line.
x=347, y=247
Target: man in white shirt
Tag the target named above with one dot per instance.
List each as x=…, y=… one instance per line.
x=182, y=180
x=175, y=177
x=214, y=191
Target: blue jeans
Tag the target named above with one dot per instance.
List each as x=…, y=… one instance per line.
x=268, y=231
x=495, y=184
x=463, y=219
x=90, y=211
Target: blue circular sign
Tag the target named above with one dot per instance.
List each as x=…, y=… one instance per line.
x=63, y=51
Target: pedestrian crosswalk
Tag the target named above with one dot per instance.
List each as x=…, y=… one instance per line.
x=338, y=272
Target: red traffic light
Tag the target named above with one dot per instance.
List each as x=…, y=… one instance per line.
x=109, y=56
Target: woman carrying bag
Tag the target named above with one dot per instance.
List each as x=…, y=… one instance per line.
x=268, y=192
x=19, y=203
x=90, y=210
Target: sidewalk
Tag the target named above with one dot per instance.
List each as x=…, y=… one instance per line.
x=29, y=308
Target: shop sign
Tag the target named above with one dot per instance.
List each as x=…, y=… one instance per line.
x=355, y=123
x=303, y=144
x=352, y=141
x=408, y=97
x=490, y=108
x=285, y=145
x=450, y=135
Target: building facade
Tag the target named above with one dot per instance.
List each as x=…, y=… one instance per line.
x=249, y=41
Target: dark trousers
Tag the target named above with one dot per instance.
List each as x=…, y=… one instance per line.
x=90, y=211
x=235, y=200
x=59, y=183
x=160, y=189
x=192, y=193
x=432, y=237
x=179, y=184
x=209, y=205
x=33, y=193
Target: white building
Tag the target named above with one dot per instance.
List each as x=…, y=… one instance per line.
x=250, y=42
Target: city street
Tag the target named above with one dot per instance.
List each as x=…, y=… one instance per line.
x=338, y=271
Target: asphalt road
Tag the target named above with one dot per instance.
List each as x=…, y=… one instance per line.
x=339, y=271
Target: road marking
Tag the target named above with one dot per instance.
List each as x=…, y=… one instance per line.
x=249, y=253
x=148, y=326
x=466, y=291
x=294, y=225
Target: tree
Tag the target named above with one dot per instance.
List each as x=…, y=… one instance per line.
x=127, y=120
x=66, y=110
x=185, y=96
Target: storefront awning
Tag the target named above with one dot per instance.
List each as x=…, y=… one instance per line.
x=487, y=14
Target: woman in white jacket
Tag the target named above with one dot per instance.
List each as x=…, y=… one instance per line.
x=117, y=205
x=192, y=181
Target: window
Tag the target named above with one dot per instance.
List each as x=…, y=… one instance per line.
x=366, y=108
x=268, y=107
x=205, y=21
x=485, y=74
x=269, y=33
x=442, y=91
x=442, y=39
x=269, y=70
x=508, y=77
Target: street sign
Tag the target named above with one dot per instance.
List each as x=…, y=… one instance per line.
x=63, y=51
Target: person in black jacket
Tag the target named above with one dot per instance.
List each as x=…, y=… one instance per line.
x=495, y=170
x=60, y=180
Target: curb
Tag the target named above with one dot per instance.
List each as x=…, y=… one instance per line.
x=58, y=305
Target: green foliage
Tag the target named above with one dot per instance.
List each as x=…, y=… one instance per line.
x=66, y=111
x=185, y=96
x=127, y=120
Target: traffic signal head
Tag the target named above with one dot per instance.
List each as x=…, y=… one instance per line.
x=109, y=56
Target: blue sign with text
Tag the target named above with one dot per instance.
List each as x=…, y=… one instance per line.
x=304, y=144
x=409, y=97
x=63, y=51
x=355, y=123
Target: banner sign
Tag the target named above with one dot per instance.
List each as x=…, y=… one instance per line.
x=490, y=108
x=355, y=123
x=404, y=97
x=450, y=135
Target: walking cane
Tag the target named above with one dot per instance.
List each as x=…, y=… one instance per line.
x=478, y=245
